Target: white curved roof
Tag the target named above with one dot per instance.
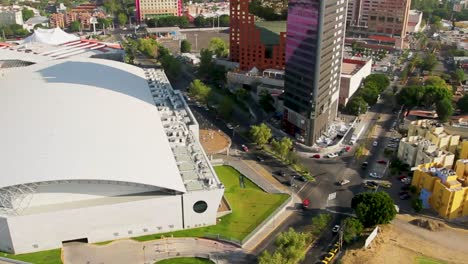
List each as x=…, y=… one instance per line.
x=87, y=119
x=53, y=36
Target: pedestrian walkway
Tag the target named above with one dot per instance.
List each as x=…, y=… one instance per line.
x=260, y=170
x=253, y=173
x=131, y=251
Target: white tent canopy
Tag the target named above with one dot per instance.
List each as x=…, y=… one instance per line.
x=54, y=36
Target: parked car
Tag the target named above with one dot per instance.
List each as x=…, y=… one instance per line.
x=329, y=256
x=385, y=184
x=406, y=180
x=382, y=162
x=364, y=165
x=336, y=229
x=229, y=126
x=260, y=159
x=402, y=193
x=375, y=143
x=300, y=178
x=371, y=185
x=305, y=204
x=244, y=148
x=281, y=173
x=332, y=155
x=375, y=175
x=316, y=156
x=405, y=196
x=347, y=148
x=405, y=187
x=401, y=177
x=343, y=182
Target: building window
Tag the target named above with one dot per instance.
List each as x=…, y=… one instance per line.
x=200, y=207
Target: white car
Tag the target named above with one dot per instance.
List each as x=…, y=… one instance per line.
x=332, y=155
x=406, y=180
x=336, y=228
x=374, y=175
x=344, y=182
x=375, y=143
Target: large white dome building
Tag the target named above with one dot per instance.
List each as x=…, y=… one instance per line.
x=97, y=150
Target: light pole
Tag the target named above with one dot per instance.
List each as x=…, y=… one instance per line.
x=196, y=41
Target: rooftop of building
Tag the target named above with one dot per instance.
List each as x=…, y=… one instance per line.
x=351, y=66
x=270, y=31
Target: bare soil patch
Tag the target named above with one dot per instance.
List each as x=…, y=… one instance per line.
x=214, y=141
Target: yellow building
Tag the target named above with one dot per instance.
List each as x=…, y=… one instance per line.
x=434, y=132
x=464, y=150
x=442, y=189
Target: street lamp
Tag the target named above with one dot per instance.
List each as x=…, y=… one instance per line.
x=196, y=41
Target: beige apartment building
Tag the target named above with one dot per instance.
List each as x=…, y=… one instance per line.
x=416, y=150
x=146, y=9
x=435, y=133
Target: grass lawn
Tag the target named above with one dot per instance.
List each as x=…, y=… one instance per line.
x=426, y=260
x=185, y=261
x=250, y=206
x=41, y=257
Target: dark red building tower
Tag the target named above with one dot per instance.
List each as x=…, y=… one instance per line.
x=260, y=44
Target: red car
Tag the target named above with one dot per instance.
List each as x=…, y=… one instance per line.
x=347, y=148
x=305, y=203
x=401, y=177
x=316, y=156
x=245, y=148
x=382, y=161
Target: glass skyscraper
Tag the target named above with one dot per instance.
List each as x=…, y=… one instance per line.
x=314, y=46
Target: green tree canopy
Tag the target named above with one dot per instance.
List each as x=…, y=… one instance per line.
x=260, y=134
x=75, y=26
x=444, y=109
x=226, y=107
x=171, y=65
x=267, y=258
x=282, y=147
x=122, y=18
x=380, y=80
x=437, y=81
x=219, y=47
x=185, y=46
x=459, y=75
x=356, y=106
x=199, y=91
x=111, y=6
x=266, y=101
x=224, y=21
x=462, y=104
x=373, y=208
x=352, y=229
x=148, y=46
x=206, y=62
x=319, y=222
x=370, y=93
x=27, y=14
x=291, y=245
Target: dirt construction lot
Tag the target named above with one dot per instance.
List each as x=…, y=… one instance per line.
x=405, y=243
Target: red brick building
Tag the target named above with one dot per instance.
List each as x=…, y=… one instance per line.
x=255, y=44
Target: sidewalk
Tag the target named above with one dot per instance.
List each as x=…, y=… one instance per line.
x=130, y=251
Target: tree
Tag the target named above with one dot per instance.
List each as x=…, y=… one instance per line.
x=444, y=109
x=380, y=80
x=104, y=22
x=185, y=46
x=417, y=205
x=27, y=14
x=199, y=91
x=148, y=47
x=122, y=18
x=218, y=47
x=436, y=81
x=224, y=21
x=241, y=94
x=267, y=258
x=75, y=26
x=459, y=76
x=373, y=208
x=462, y=104
x=356, y=106
x=369, y=93
x=226, y=107
x=352, y=229
x=260, y=134
x=206, y=62
x=319, y=222
x=111, y=6
x=266, y=101
x=291, y=245
x=282, y=147
x=200, y=21
x=171, y=65
x=429, y=62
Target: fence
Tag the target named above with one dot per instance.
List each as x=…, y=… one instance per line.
x=267, y=221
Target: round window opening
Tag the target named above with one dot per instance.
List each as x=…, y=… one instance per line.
x=200, y=207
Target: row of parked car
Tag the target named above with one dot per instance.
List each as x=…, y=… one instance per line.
x=328, y=258
x=332, y=155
